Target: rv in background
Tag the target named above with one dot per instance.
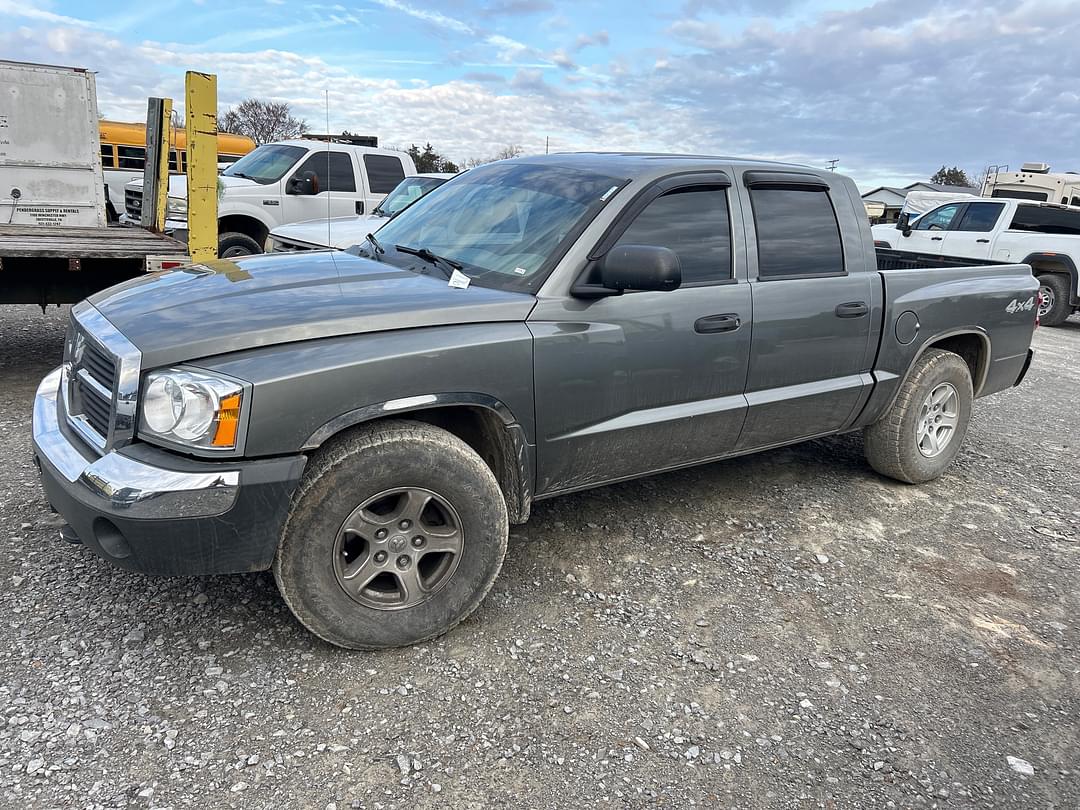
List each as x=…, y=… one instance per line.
x=1033, y=182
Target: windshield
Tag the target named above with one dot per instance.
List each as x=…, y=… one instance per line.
x=504, y=223
x=266, y=164
x=406, y=193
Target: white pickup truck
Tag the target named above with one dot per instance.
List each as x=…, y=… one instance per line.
x=288, y=181
x=344, y=232
x=1043, y=235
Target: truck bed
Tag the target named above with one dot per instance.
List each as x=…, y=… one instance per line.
x=115, y=242
x=891, y=259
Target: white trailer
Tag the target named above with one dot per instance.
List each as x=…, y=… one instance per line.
x=55, y=243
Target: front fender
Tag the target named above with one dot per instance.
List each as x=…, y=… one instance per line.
x=304, y=392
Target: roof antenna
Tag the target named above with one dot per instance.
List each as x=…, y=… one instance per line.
x=329, y=241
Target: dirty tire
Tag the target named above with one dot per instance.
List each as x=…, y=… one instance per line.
x=1058, y=286
x=891, y=443
x=232, y=245
x=342, y=476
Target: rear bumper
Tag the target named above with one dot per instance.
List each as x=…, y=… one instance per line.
x=1024, y=370
x=152, y=511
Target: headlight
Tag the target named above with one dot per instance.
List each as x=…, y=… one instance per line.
x=176, y=207
x=191, y=408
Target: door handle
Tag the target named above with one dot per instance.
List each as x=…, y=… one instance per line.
x=728, y=322
x=936, y=238
x=359, y=207
x=983, y=241
x=852, y=309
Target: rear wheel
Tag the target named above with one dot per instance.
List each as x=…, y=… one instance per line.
x=920, y=435
x=1053, y=299
x=397, y=533
x=232, y=245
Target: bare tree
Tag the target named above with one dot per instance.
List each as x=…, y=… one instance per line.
x=509, y=151
x=262, y=121
x=506, y=153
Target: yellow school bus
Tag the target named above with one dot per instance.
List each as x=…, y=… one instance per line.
x=123, y=154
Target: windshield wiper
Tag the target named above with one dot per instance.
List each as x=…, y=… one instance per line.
x=241, y=174
x=439, y=261
x=374, y=243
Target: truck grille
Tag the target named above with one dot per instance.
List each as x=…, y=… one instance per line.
x=91, y=379
x=100, y=380
x=133, y=203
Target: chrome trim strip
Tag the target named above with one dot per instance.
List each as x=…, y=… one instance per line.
x=115, y=482
x=88, y=379
x=125, y=393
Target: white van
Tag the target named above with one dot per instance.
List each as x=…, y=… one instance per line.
x=288, y=181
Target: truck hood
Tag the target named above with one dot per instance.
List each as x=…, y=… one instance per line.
x=178, y=184
x=227, y=306
x=344, y=231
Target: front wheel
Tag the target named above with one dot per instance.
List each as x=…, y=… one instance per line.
x=232, y=245
x=396, y=534
x=1054, y=305
x=920, y=435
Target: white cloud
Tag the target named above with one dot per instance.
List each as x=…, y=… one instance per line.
x=434, y=17
x=894, y=96
x=28, y=11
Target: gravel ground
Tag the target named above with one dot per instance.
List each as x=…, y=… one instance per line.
x=784, y=630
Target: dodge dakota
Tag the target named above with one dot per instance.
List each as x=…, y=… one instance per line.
x=368, y=424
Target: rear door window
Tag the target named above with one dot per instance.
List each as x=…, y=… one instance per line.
x=384, y=173
x=980, y=217
x=797, y=233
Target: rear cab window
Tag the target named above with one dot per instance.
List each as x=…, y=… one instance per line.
x=798, y=234
x=1045, y=219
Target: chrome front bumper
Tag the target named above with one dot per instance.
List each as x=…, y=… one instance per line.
x=114, y=482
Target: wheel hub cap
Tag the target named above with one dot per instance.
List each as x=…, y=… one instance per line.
x=1046, y=300
x=938, y=418
x=398, y=548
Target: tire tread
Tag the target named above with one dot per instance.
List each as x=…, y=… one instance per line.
x=336, y=452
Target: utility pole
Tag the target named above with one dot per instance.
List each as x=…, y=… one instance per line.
x=832, y=164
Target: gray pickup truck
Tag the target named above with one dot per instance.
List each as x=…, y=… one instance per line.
x=369, y=424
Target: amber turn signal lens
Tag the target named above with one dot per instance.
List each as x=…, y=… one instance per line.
x=228, y=422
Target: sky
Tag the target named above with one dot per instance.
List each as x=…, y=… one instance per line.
x=892, y=89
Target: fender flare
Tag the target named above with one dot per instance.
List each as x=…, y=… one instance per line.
x=976, y=384
x=515, y=472
x=1070, y=268
x=403, y=406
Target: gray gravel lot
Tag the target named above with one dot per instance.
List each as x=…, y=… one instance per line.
x=784, y=630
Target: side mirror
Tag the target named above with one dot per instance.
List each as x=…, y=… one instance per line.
x=303, y=184
x=640, y=267
x=904, y=223
x=630, y=267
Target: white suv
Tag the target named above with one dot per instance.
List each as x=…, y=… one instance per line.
x=288, y=181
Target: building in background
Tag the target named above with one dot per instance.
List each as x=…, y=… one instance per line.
x=893, y=197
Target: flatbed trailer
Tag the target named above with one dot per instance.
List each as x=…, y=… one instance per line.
x=62, y=265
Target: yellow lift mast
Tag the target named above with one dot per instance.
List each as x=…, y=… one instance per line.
x=200, y=91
